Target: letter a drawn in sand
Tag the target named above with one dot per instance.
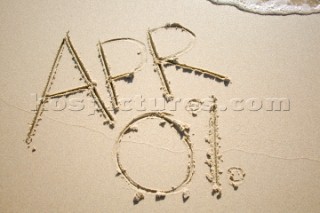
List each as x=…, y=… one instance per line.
x=88, y=85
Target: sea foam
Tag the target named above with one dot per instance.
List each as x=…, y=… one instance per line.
x=274, y=7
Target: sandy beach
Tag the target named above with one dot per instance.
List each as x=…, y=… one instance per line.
x=157, y=106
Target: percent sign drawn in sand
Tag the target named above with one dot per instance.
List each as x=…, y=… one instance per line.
x=89, y=86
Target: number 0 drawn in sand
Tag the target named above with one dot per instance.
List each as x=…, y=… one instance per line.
x=182, y=131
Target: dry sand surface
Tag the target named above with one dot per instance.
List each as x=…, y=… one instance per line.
x=157, y=106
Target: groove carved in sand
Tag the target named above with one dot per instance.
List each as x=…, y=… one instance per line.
x=161, y=62
x=182, y=129
x=213, y=156
x=236, y=176
x=110, y=80
x=89, y=86
x=194, y=106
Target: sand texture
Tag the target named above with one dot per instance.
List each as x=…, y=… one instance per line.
x=149, y=106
